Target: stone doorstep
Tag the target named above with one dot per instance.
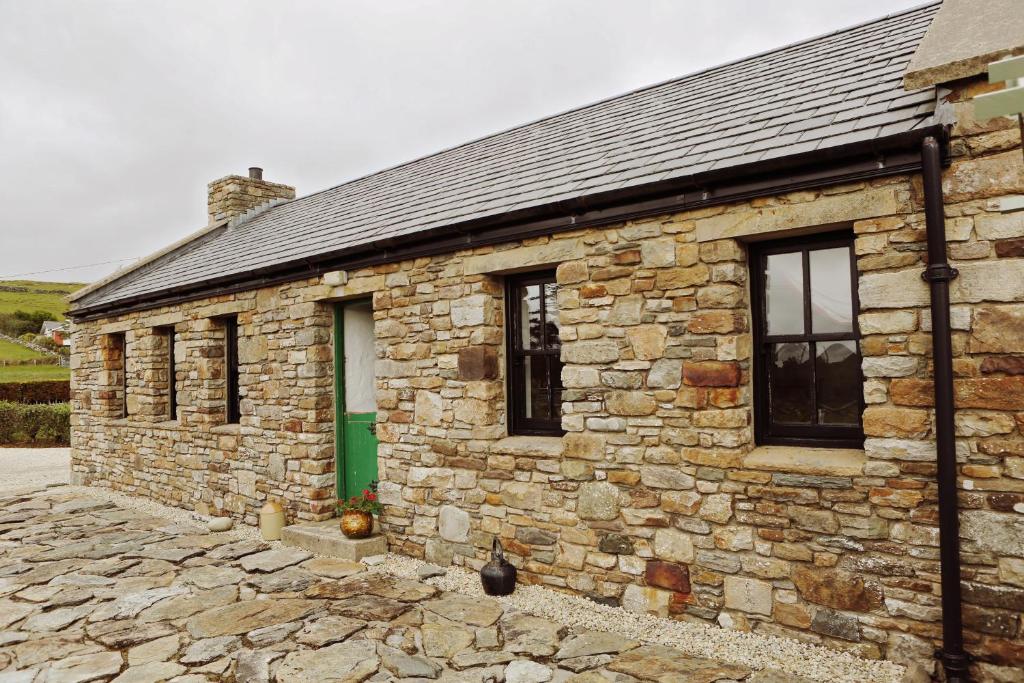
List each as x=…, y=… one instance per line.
x=325, y=538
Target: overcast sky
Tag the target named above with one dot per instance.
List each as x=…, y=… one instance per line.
x=115, y=115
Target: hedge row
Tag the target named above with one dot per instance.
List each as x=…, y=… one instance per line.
x=53, y=391
x=38, y=425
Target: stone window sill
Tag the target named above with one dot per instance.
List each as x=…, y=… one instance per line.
x=841, y=462
x=233, y=428
x=142, y=424
x=534, y=446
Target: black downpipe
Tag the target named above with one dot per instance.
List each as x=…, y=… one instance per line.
x=938, y=274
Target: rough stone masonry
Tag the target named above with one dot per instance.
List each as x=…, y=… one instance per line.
x=656, y=497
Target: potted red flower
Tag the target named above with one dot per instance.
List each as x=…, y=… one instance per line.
x=357, y=512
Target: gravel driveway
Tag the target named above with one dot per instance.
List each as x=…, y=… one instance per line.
x=93, y=592
x=35, y=467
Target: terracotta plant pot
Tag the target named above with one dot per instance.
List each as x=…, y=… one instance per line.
x=356, y=524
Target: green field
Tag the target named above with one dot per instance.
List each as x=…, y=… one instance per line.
x=32, y=373
x=31, y=296
x=10, y=351
x=40, y=296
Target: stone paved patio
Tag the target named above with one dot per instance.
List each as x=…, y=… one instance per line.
x=90, y=592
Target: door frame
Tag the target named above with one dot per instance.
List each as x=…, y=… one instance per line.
x=340, y=429
x=339, y=399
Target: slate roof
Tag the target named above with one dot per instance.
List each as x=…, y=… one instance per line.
x=825, y=92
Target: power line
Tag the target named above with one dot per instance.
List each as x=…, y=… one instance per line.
x=58, y=270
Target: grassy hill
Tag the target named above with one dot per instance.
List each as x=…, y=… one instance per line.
x=29, y=295
x=10, y=351
x=33, y=373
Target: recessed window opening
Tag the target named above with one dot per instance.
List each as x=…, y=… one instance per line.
x=120, y=349
x=807, y=367
x=233, y=403
x=172, y=373
x=534, y=350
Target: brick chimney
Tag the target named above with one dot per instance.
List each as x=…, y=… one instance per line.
x=233, y=195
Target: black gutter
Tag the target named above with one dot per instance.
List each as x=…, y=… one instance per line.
x=938, y=274
x=858, y=161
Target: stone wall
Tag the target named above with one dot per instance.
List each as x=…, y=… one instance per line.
x=656, y=498
x=283, y=446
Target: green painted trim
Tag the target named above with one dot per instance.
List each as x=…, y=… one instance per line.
x=1007, y=69
x=1007, y=102
x=339, y=400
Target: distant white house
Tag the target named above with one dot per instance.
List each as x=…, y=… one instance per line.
x=58, y=331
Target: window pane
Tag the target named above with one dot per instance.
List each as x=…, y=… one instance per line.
x=551, y=323
x=536, y=399
x=790, y=385
x=529, y=320
x=831, y=303
x=839, y=388
x=784, y=293
x=556, y=383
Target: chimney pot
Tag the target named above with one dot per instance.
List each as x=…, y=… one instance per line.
x=256, y=173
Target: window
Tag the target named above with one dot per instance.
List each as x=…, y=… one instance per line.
x=172, y=375
x=233, y=407
x=808, y=384
x=119, y=363
x=534, y=347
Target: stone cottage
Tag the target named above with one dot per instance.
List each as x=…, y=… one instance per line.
x=674, y=349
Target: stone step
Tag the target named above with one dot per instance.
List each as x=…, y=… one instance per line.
x=325, y=538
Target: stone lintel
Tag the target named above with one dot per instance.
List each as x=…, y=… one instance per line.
x=162, y=320
x=316, y=293
x=827, y=211
x=524, y=258
x=358, y=286
x=116, y=327
x=224, y=308
x=844, y=462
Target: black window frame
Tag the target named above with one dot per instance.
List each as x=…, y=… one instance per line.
x=767, y=432
x=518, y=422
x=233, y=408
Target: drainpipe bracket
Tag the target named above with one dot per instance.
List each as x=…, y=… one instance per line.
x=955, y=664
x=939, y=272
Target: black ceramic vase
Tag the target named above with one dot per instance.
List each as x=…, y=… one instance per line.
x=498, y=576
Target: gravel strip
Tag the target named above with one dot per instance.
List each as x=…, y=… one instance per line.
x=34, y=467
x=698, y=640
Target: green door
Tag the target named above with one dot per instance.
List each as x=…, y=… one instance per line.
x=355, y=410
x=360, y=452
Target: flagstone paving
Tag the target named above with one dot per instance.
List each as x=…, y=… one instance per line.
x=93, y=592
